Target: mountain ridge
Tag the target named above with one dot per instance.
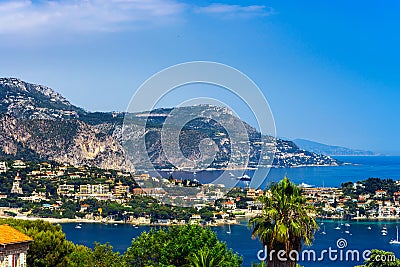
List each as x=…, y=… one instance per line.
x=38, y=123
x=330, y=150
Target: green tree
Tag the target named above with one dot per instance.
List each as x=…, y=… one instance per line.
x=380, y=258
x=49, y=248
x=285, y=223
x=104, y=256
x=179, y=246
x=203, y=258
x=82, y=256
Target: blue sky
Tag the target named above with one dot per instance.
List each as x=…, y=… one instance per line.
x=329, y=69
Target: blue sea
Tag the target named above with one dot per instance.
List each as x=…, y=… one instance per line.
x=356, y=236
x=359, y=168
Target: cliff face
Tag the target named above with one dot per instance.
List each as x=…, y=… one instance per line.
x=70, y=141
x=38, y=123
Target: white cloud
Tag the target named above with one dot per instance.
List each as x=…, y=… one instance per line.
x=227, y=10
x=83, y=16
x=40, y=17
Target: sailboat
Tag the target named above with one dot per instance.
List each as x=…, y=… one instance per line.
x=337, y=227
x=397, y=242
x=323, y=232
x=229, y=231
x=347, y=231
x=384, y=230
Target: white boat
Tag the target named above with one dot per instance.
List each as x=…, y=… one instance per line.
x=369, y=228
x=229, y=231
x=337, y=227
x=78, y=227
x=384, y=231
x=347, y=231
x=304, y=185
x=323, y=232
x=244, y=178
x=397, y=241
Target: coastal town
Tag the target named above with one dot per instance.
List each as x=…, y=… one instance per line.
x=65, y=193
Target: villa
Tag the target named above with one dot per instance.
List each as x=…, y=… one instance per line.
x=13, y=247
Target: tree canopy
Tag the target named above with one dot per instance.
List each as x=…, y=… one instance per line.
x=189, y=245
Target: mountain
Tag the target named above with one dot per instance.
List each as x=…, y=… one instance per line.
x=330, y=150
x=37, y=123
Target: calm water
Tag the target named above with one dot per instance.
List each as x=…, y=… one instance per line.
x=362, y=168
x=359, y=236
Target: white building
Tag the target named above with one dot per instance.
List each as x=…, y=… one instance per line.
x=3, y=167
x=19, y=164
x=94, y=189
x=64, y=189
x=16, y=187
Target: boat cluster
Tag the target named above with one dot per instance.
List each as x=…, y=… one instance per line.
x=384, y=231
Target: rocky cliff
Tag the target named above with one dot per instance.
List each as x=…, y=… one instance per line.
x=38, y=123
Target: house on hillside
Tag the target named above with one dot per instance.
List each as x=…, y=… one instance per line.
x=3, y=167
x=13, y=247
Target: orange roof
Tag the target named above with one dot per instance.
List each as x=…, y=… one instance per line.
x=9, y=235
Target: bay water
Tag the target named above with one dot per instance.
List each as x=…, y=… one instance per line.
x=360, y=236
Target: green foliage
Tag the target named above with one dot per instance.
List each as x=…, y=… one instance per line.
x=180, y=246
x=380, y=258
x=49, y=248
x=285, y=222
x=203, y=258
x=369, y=186
x=100, y=256
x=82, y=256
x=189, y=245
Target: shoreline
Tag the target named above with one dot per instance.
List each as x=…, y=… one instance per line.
x=359, y=219
x=255, y=168
x=68, y=220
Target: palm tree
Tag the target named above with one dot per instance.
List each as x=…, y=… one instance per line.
x=203, y=258
x=285, y=223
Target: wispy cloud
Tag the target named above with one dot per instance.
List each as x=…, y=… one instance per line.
x=227, y=10
x=86, y=15
x=24, y=17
